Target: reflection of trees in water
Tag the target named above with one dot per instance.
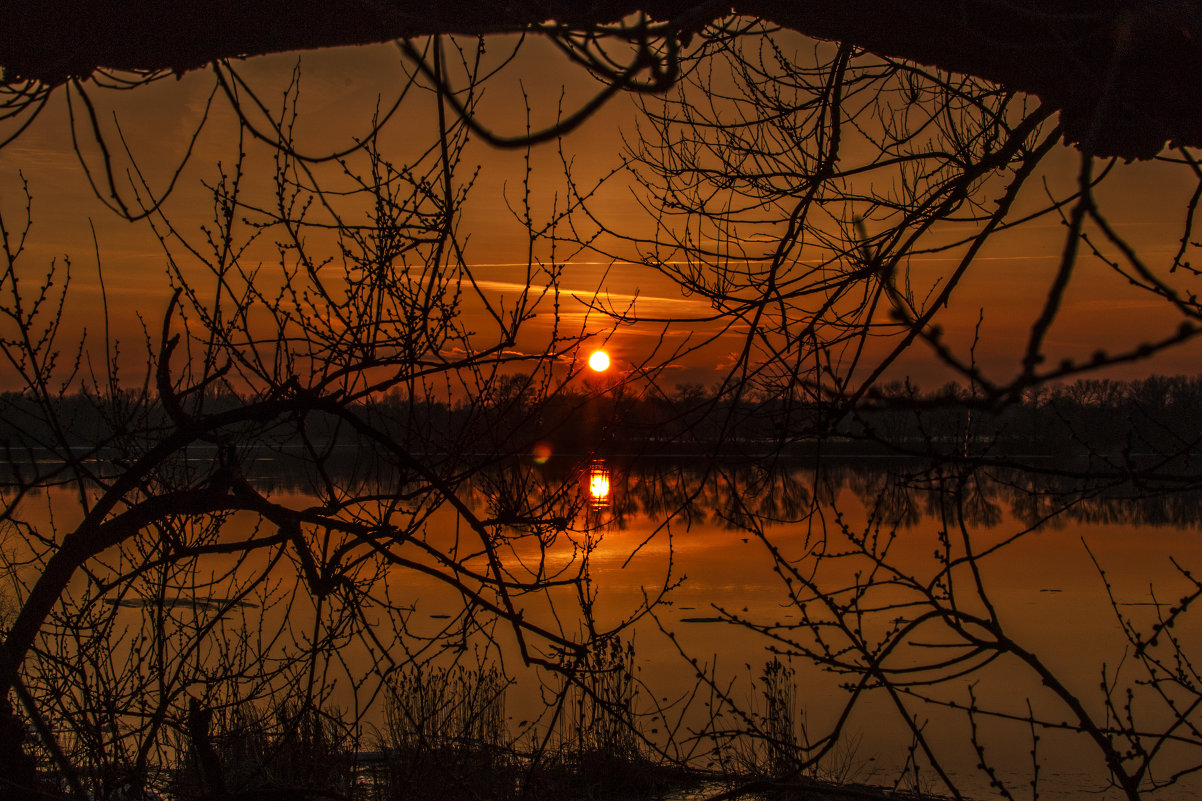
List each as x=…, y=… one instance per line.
x=734, y=494
x=875, y=628
x=977, y=501
x=900, y=494
x=890, y=494
x=730, y=496
x=913, y=604
x=1059, y=499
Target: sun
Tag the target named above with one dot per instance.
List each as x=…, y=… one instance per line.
x=599, y=361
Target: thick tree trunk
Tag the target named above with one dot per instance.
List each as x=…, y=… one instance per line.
x=1121, y=71
x=18, y=773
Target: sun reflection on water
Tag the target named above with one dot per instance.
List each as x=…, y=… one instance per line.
x=598, y=484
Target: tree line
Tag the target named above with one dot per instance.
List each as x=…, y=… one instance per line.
x=1159, y=415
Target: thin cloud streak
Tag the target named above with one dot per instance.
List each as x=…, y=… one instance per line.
x=586, y=296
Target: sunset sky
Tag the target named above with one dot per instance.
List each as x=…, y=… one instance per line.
x=340, y=89
x=321, y=405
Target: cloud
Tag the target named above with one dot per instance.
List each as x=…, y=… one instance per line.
x=603, y=300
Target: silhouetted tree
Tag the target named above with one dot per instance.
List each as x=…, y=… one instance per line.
x=159, y=588
x=1118, y=71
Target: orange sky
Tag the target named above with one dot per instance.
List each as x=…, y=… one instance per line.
x=339, y=91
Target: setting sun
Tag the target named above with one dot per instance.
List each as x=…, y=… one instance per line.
x=599, y=361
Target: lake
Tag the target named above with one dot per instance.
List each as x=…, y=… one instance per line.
x=911, y=622
x=858, y=573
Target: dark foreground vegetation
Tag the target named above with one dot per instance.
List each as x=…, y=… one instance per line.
x=447, y=736
x=307, y=282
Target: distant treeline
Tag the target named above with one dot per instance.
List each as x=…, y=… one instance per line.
x=1157, y=415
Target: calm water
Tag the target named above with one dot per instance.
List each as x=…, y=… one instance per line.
x=838, y=572
x=1060, y=565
